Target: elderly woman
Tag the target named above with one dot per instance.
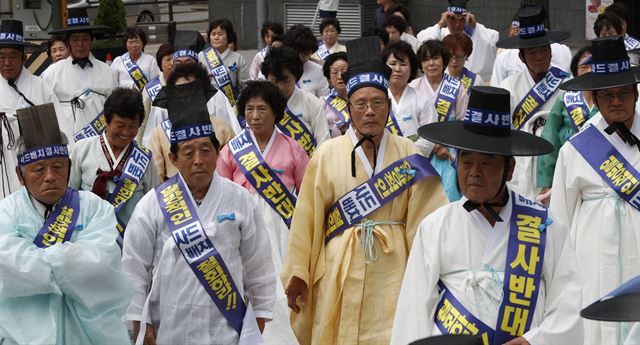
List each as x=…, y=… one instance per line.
x=269, y=31
x=329, y=30
x=409, y=109
x=135, y=68
x=302, y=40
x=450, y=102
x=335, y=103
x=560, y=126
x=460, y=46
x=57, y=49
x=262, y=104
x=113, y=165
x=219, y=53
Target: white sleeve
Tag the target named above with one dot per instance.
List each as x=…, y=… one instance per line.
x=426, y=115
x=318, y=120
x=224, y=111
x=498, y=71
x=430, y=33
x=254, y=69
x=564, y=197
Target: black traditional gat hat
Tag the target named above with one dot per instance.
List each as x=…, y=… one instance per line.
x=188, y=113
x=450, y=339
x=41, y=134
x=610, y=67
x=486, y=128
x=187, y=43
x=78, y=21
x=457, y=6
x=531, y=30
x=621, y=304
x=12, y=36
x=366, y=67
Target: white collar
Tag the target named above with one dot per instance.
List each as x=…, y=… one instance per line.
x=40, y=207
x=114, y=159
x=363, y=157
x=494, y=233
x=269, y=143
x=396, y=105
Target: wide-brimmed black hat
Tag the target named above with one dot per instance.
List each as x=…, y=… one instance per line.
x=486, y=128
x=78, y=21
x=187, y=43
x=621, y=304
x=40, y=133
x=450, y=339
x=12, y=36
x=610, y=67
x=366, y=67
x=531, y=30
x=188, y=113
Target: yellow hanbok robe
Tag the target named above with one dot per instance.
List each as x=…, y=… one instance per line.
x=350, y=301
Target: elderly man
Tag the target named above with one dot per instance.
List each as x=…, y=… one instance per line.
x=60, y=273
x=81, y=82
x=595, y=186
x=457, y=20
x=353, y=226
x=113, y=165
x=202, y=239
x=18, y=89
x=533, y=90
x=494, y=264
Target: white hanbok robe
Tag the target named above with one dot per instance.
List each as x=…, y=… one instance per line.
x=147, y=64
x=69, y=293
x=484, y=47
x=180, y=308
x=313, y=80
x=468, y=255
x=411, y=113
x=69, y=81
x=233, y=61
x=256, y=65
x=604, y=228
x=508, y=62
x=87, y=157
x=148, y=107
x=38, y=92
x=524, y=174
x=424, y=89
x=310, y=110
x=412, y=40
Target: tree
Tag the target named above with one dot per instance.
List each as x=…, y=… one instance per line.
x=113, y=14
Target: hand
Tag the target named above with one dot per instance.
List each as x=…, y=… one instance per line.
x=471, y=19
x=444, y=17
x=261, y=321
x=547, y=199
x=441, y=152
x=149, y=335
x=517, y=341
x=296, y=293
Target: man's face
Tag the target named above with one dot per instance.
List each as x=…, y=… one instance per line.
x=617, y=104
x=47, y=179
x=455, y=23
x=196, y=161
x=369, y=109
x=80, y=44
x=394, y=34
x=10, y=63
x=480, y=175
x=183, y=60
x=286, y=85
x=537, y=59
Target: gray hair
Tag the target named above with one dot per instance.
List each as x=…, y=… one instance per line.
x=20, y=148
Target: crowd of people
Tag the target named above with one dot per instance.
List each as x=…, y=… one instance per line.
x=396, y=187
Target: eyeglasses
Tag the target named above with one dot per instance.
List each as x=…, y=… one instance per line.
x=375, y=104
x=338, y=72
x=458, y=57
x=608, y=96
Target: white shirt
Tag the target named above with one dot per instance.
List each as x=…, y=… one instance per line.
x=233, y=62
x=424, y=89
x=147, y=64
x=412, y=40
x=508, y=62
x=411, y=112
x=313, y=80
x=310, y=110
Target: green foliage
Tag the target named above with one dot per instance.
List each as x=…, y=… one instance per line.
x=112, y=13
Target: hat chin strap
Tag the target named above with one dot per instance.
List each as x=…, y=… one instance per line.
x=365, y=137
x=470, y=205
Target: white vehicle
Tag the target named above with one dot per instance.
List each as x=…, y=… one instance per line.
x=138, y=11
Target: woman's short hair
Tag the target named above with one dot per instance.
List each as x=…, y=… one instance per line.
x=280, y=59
x=226, y=25
x=331, y=59
x=126, y=103
x=458, y=41
x=276, y=28
x=53, y=39
x=433, y=48
x=607, y=20
x=164, y=50
x=269, y=93
x=301, y=38
x=330, y=21
x=404, y=52
x=133, y=32
x=398, y=8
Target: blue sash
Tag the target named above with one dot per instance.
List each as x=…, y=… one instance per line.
x=537, y=96
x=379, y=190
x=609, y=163
x=294, y=128
x=323, y=51
x=576, y=109
x=339, y=106
x=522, y=277
x=631, y=43
x=261, y=176
x=467, y=78
x=59, y=227
x=446, y=98
x=93, y=128
x=198, y=250
x=153, y=87
x=220, y=73
x=127, y=183
x=392, y=124
x=134, y=71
